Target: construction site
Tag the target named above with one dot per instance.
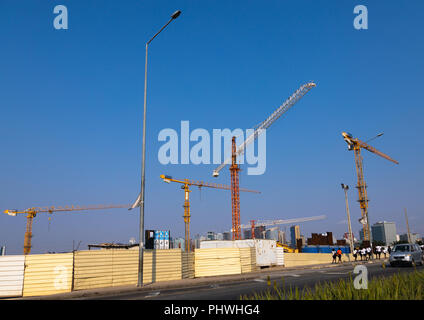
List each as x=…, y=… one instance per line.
x=98, y=268
x=263, y=230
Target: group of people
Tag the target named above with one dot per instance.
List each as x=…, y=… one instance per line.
x=336, y=254
x=366, y=253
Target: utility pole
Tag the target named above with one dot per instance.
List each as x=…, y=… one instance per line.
x=174, y=16
x=407, y=226
x=345, y=188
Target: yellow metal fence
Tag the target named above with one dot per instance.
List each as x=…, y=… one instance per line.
x=46, y=274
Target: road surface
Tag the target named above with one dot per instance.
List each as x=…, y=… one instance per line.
x=234, y=290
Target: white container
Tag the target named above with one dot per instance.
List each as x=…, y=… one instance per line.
x=279, y=253
x=265, y=249
x=11, y=275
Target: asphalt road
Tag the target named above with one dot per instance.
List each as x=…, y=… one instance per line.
x=234, y=290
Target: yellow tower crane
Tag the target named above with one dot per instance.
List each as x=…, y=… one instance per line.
x=356, y=145
x=185, y=186
x=32, y=212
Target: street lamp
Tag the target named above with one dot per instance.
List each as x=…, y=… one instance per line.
x=378, y=135
x=143, y=158
x=345, y=188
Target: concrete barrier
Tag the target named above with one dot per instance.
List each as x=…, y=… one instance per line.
x=304, y=259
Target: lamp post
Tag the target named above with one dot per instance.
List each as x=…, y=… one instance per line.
x=143, y=158
x=345, y=188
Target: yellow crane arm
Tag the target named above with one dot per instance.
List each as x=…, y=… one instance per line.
x=203, y=184
x=35, y=210
x=374, y=150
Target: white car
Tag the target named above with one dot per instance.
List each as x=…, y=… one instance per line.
x=406, y=253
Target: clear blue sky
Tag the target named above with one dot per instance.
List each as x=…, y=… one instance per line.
x=71, y=109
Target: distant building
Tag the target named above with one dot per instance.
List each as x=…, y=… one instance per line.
x=272, y=234
x=247, y=234
x=211, y=235
x=346, y=237
x=321, y=239
x=219, y=236
x=260, y=232
x=361, y=234
x=179, y=243
x=294, y=235
x=384, y=231
x=414, y=237
x=282, y=237
x=227, y=236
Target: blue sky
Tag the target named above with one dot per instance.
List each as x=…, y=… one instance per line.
x=71, y=110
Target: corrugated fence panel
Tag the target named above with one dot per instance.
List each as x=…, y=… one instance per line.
x=188, y=265
x=11, y=275
x=162, y=265
x=217, y=261
x=47, y=274
x=248, y=260
x=106, y=268
x=279, y=252
x=124, y=267
x=93, y=269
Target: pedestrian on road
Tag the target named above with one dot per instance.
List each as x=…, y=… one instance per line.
x=369, y=251
x=364, y=253
x=355, y=253
x=339, y=254
x=385, y=251
x=334, y=254
x=378, y=249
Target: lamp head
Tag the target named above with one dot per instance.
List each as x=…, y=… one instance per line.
x=176, y=14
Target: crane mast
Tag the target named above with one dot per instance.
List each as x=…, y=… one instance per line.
x=234, y=168
x=356, y=145
x=186, y=183
x=235, y=194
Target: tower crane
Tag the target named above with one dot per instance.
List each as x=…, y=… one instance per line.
x=32, y=212
x=266, y=223
x=186, y=183
x=356, y=145
x=234, y=168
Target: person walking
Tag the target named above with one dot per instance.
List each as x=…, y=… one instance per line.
x=339, y=254
x=334, y=254
x=369, y=251
x=364, y=253
x=355, y=253
x=385, y=252
x=378, y=249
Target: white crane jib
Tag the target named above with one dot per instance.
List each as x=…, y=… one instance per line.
x=270, y=120
x=287, y=221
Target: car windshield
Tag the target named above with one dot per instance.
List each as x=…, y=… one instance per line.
x=403, y=248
